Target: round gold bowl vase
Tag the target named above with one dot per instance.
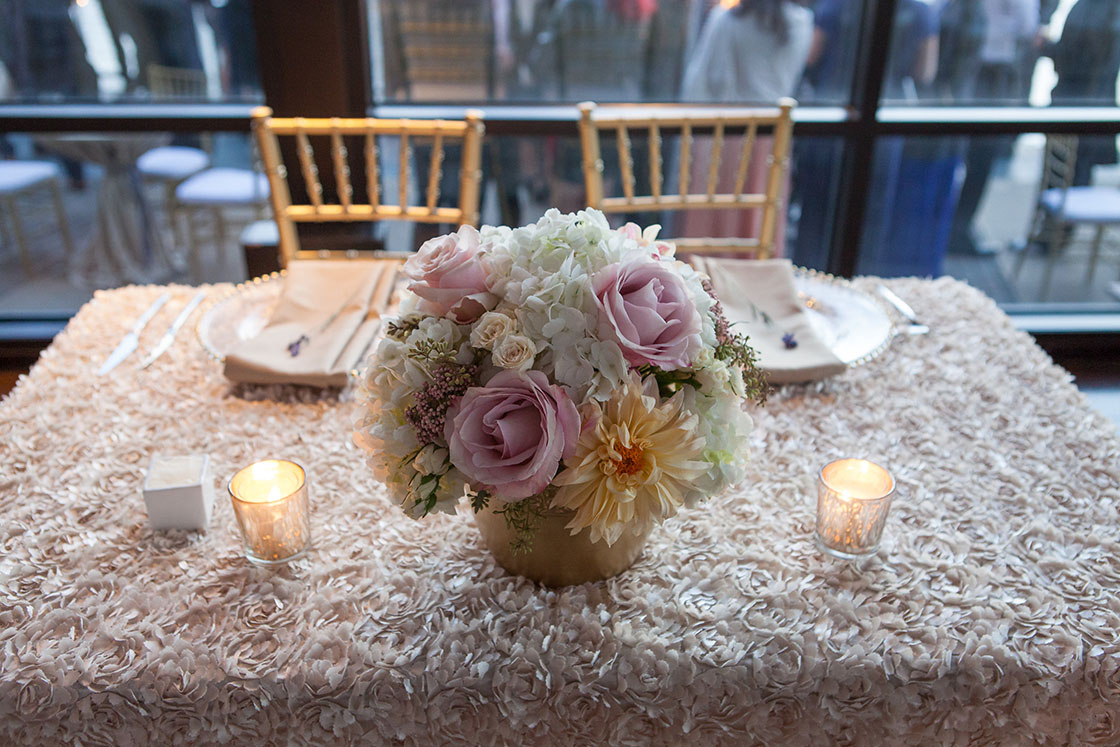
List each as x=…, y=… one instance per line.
x=558, y=558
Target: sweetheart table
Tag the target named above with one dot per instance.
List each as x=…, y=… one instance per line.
x=990, y=613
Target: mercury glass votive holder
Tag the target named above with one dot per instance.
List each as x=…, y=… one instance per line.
x=853, y=499
x=273, y=511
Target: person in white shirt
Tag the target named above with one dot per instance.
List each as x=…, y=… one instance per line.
x=751, y=53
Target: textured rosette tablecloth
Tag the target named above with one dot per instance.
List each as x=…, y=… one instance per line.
x=989, y=615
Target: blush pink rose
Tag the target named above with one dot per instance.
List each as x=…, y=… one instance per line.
x=449, y=277
x=645, y=306
x=510, y=435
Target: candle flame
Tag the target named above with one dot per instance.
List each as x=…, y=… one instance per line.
x=264, y=471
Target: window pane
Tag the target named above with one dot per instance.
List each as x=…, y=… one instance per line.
x=127, y=50
x=813, y=197
x=986, y=210
x=619, y=50
x=112, y=222
x=1004, y=52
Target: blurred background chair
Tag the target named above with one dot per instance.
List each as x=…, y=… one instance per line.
x=1062, y=207
x=580, y=42
x=22, y=178
x=333, y=200
x=169, y=165
x=692, y=193
x=439, y=50
x=176, y=83
x=212, y=199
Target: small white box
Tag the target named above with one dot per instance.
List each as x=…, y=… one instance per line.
x=179, y=492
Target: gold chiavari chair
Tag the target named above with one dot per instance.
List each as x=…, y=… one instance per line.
x=339, y=202
x=652, y=122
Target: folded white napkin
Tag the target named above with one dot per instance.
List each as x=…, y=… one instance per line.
x=760, y=301
x=325, y=319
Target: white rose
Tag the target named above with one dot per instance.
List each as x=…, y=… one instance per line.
x=435, y=329
x=715, y=376
x=515, y=351
x=491, y=327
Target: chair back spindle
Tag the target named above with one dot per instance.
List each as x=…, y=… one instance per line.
x=343, y=206
x=628, y=122
x=341, y=161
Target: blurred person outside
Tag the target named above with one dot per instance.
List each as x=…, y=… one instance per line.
x=828, y=72
x=517, y=24
x=914, y=53
x=913, y=179
x=516, y=163
x=588, y=50
x=751, y=53
x=995, y=76
x=827, y=80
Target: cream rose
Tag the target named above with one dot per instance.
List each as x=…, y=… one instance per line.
x=515, y=352
x=491, y=327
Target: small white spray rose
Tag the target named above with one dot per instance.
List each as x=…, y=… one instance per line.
x=491, y=327
x=515, y=351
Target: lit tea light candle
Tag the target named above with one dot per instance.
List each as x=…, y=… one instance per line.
x=853, y=498
x=271, y=504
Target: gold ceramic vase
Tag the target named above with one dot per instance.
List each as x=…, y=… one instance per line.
x=557, y=557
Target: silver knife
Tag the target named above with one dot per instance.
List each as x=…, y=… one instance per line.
x=131, y=341
x=898, y=303
x=169, y=336
x=915, y=327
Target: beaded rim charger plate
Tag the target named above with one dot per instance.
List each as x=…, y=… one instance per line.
x=850, y=322
x=239, y=316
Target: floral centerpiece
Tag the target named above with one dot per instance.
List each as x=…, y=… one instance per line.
x=561, y=365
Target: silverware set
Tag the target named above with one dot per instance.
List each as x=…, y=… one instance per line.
x=131, y=341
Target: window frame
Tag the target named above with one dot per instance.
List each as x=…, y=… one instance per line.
x=289, y=32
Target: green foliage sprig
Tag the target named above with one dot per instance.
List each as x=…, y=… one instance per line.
x=524, y=518
x=431, y=351
x=735, y=351
x=400, y=329
x=670, y=382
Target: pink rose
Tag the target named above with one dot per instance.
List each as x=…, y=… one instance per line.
x=510, y=435
x=645, y=306
x=450, y=277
